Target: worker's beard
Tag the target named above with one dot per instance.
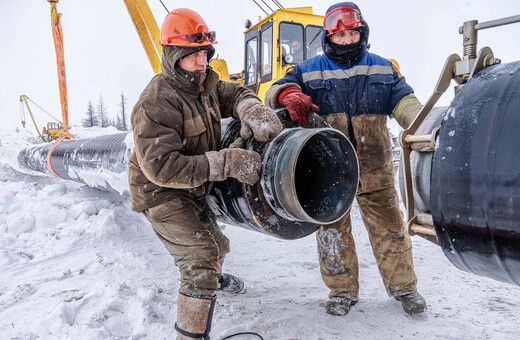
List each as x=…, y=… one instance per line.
x=345, y=55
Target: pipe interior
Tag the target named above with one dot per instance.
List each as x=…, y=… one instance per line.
x=320, y=182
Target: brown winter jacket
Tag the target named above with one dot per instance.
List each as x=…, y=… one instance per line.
x=175, y=122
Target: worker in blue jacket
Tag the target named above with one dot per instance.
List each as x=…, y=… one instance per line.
x=355, y=92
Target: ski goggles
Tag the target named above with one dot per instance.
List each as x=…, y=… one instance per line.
x=348, y=17
x=197, y=38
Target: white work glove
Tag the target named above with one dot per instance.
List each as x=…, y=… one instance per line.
x=258, y=121
x=244, y=165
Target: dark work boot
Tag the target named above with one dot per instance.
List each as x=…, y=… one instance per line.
x=338, y=305
x=230, y=284
x=413, y=303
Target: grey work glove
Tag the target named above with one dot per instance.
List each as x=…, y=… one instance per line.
x=244, y=165
x=258, y=121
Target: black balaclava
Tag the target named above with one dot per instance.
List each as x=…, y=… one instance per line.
x=347, y=55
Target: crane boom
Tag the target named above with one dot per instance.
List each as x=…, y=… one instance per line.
x=57, y=35
x=147, y=29
x=23, y=99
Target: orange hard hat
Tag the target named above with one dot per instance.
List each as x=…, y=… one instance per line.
x=184, y=27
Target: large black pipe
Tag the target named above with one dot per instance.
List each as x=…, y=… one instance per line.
x=475, y=183
x=309, y=176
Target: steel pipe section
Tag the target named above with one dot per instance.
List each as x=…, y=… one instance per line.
x=475, y=182
x=309, y=177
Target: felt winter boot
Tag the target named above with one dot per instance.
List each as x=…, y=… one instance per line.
x=194, y=317
x=230, y=284
x=413, y=303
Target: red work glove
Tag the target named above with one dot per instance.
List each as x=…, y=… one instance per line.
x=297, y=103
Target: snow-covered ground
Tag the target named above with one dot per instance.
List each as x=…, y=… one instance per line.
x=77, y=263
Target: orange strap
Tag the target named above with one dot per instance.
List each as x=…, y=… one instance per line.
x=62, y=137
x=49, y=155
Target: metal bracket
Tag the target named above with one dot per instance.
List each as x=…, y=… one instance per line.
x=485, y=58
x=406, y=136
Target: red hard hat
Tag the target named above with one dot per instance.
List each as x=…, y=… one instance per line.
x=184, y=27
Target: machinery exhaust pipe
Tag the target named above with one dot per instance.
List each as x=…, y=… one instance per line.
x=309, y=176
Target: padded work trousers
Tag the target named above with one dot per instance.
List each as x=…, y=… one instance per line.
x=391, y=245
x=190, y=233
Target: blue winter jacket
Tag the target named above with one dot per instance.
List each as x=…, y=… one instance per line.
x=357, y=100
x=370, y=87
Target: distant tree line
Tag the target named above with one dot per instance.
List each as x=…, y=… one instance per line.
x=98, y=115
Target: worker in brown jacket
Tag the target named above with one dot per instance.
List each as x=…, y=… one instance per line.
x=356, y=91
x=177, y=131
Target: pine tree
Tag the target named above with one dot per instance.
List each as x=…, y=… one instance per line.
x=102, y=113
x=122, y=118
x=118, y=124
x=90, y=118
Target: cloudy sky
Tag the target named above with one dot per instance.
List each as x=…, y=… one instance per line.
x=104, y=55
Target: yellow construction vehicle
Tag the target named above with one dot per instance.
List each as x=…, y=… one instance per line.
x=272, y=46
x=276, y=43
x=48, y=133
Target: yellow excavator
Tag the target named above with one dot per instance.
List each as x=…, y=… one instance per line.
x=48, y=133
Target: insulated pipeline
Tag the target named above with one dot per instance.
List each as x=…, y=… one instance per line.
x=309, y=176
x=99, y=162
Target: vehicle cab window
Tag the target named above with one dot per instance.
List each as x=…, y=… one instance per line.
x=251, y=63
x=313, y=41
x=266, y=64
x=292, y=42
